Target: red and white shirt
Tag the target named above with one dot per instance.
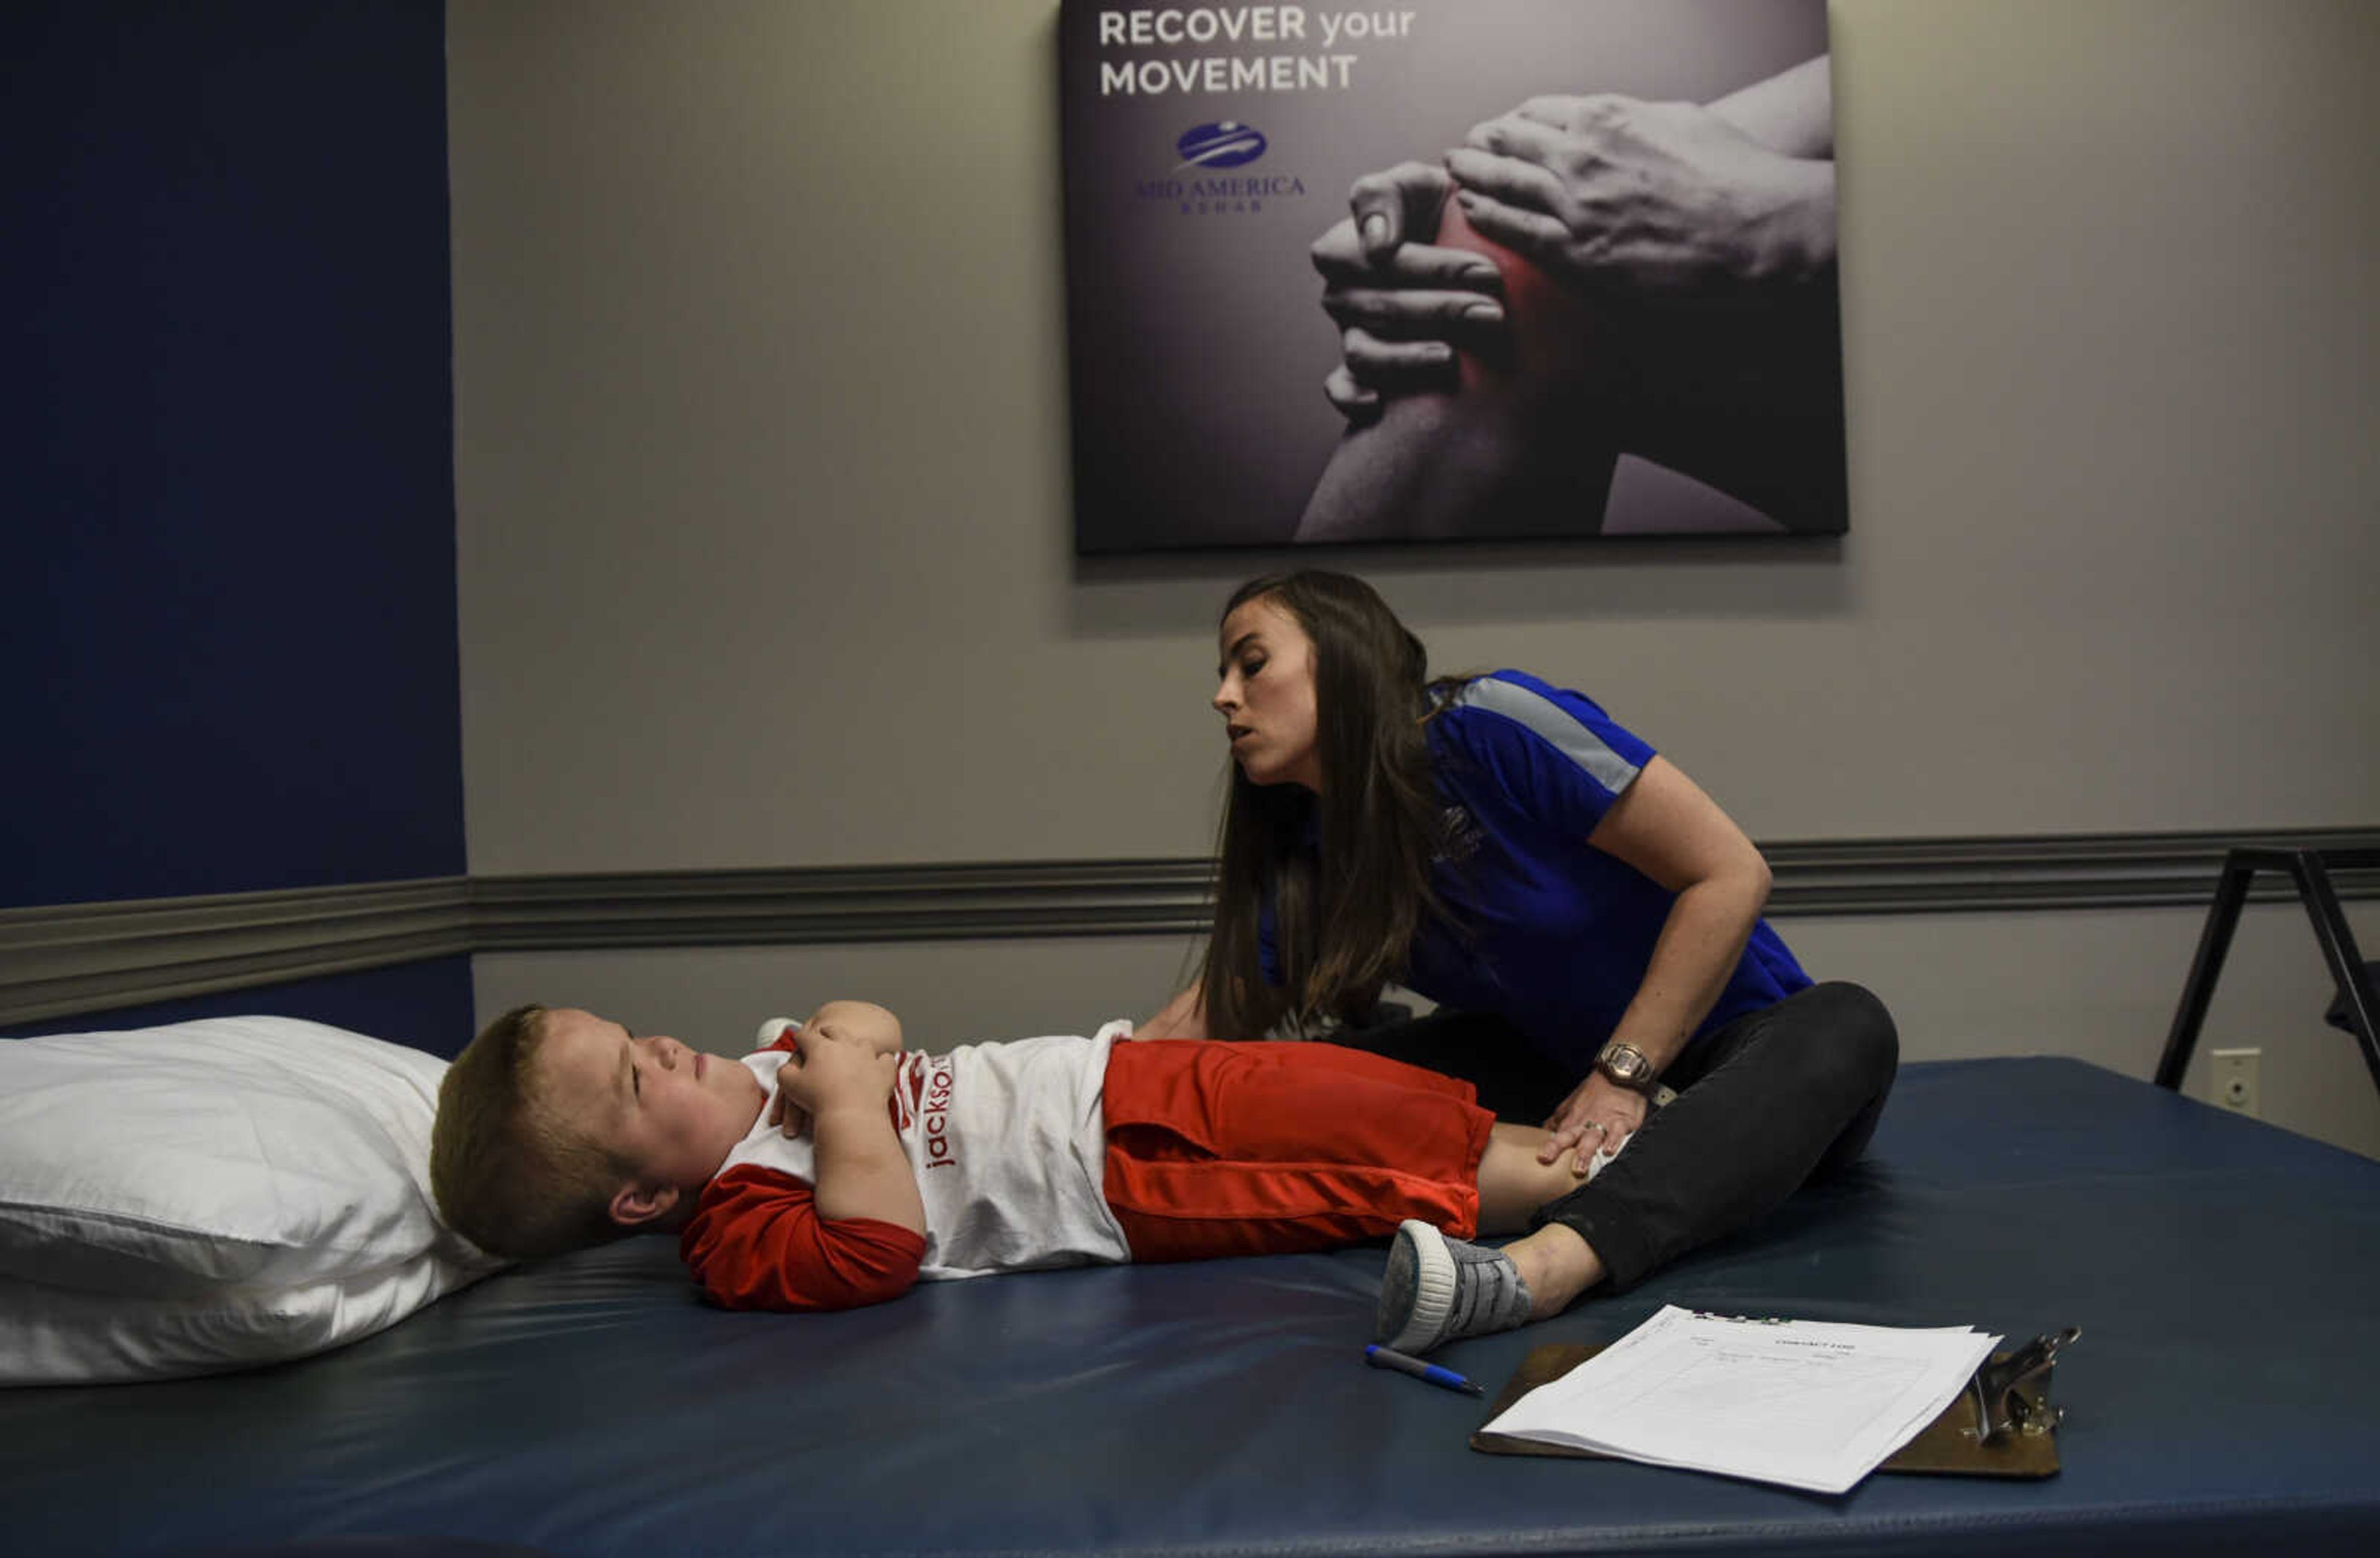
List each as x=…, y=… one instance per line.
x=1007, y=1142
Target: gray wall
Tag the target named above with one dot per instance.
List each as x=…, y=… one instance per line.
x=761, y=477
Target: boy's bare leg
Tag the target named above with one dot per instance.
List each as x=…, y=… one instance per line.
x=1556, y=1263
x=1513, y=1184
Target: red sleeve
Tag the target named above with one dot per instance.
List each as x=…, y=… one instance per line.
x=756, y=1242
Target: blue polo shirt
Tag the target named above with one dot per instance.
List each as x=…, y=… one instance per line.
x=1551, y=933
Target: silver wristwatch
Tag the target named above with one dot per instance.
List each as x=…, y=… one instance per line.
x=1626, y=1065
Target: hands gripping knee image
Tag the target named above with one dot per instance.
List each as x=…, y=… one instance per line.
x=1588, y=276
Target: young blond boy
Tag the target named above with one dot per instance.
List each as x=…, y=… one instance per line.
x=833, y=1169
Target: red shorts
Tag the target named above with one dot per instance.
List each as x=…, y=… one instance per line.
x=1263, y=1148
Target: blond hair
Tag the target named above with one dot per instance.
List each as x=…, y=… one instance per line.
x=508, y=1173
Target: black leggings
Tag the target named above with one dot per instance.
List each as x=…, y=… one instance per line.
x=1775, y=1098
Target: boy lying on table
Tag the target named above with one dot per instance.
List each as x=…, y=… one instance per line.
x=831, y=1169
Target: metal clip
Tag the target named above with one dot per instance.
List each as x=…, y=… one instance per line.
x=2001, y=1407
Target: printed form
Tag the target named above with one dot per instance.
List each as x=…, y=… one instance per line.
x=1810, y=1404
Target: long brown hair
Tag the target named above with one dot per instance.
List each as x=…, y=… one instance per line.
x=1343, y=917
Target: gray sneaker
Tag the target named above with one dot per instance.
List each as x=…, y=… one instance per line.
x=1439, y=1290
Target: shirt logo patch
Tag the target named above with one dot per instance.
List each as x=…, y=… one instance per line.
x=938, y=1078
x=1459, y=836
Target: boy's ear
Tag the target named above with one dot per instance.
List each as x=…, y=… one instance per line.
x=641, y=1203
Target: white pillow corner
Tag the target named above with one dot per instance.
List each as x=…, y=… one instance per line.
x=213, y=1194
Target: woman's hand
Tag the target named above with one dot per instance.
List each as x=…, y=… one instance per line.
x=1652, y=201
x=1598, y=1116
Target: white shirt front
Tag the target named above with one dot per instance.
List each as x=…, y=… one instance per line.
x=1008, y=1144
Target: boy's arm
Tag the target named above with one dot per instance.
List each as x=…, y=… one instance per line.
x=756, y=1242
x=839, y=1078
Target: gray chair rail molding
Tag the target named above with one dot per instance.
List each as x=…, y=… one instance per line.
x=56, y=960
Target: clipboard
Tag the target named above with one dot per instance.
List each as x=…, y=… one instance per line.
x=2001, y=1425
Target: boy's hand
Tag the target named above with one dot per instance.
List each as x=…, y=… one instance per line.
x=845, y=1064
x=831, y=1067
x=860, y=1019
x=786, y=1115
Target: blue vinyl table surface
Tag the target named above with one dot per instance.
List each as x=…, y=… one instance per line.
x=2223, y=1392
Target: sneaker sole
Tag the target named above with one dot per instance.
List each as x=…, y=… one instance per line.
x=1431, y=1282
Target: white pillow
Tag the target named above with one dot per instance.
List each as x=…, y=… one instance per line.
x=212, y=1195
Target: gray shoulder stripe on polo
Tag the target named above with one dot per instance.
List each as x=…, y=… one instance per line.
x=1572, y=740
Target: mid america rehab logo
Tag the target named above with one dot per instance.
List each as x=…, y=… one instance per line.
x=1207, y=181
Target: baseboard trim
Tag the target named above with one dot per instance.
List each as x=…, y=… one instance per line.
x=57, y=960
x=839, y=905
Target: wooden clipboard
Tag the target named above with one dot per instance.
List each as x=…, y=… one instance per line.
x=1949, y=1446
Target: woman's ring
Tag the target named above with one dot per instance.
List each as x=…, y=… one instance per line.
x=1597, y=1125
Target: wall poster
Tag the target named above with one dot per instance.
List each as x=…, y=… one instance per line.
x=1450, y=270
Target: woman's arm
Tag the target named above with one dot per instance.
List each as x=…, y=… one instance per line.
x=1667, y=828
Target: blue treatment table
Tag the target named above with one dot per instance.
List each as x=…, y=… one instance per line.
x=2223, y=1392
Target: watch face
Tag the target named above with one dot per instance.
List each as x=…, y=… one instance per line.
x=1624, y=1065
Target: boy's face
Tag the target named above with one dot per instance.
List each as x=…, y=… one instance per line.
x=673, y=1113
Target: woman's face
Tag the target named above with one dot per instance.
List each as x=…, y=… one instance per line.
x=1267, y=695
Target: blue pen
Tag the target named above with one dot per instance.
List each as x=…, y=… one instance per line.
x=1388, y=1358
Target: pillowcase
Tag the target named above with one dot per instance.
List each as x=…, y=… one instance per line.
x=212, y=1195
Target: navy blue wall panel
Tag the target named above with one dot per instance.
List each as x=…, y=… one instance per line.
x=426, y=1004
x=228, y=617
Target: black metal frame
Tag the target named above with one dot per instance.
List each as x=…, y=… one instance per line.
x=2310, y=869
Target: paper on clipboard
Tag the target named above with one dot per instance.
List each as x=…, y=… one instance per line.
x=1809, y=1403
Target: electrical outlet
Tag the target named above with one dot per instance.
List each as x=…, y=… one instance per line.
x=2233, y=1074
